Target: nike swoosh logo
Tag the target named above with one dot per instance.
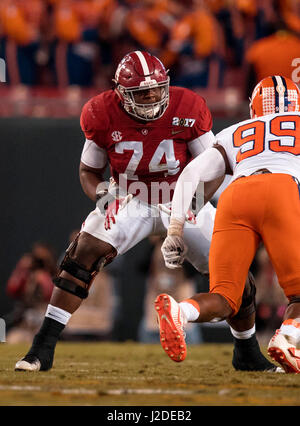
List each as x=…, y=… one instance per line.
x=53, y=315
x=174, y=132
x=167, y=319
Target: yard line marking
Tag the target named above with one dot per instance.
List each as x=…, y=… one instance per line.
x=150, y=391
x=126, y=391
x=82, y=391
x=78, y=391
x=20, y=388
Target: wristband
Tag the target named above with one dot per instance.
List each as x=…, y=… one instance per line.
x=175, y=228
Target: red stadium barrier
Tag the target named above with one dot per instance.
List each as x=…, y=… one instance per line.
x=62, y=103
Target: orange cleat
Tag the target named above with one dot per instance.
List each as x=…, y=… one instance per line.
x=171, y=327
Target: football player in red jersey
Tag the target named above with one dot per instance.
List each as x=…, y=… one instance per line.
x=147, y=132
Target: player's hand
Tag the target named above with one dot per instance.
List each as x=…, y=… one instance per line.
x=113, y=208
x=174, y=251
x=110, y=200
x=190, y=217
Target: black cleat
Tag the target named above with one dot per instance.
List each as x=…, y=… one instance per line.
x=41, y=354
x=28, y=363
x=41, y=359
x=248, y=357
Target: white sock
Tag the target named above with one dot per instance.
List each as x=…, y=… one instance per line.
x=189, y=311
x=243, y=334
x=58, y=314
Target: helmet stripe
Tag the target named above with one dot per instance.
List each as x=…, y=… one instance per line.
x=276, y=95
x=280, y=93
x=286, y=94
x=144, y=64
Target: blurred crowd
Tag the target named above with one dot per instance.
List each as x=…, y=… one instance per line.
x=30, y=287
x=204, y=43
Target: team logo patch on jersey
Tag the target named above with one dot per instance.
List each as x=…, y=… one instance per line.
x=185, y=122
x=116, y=136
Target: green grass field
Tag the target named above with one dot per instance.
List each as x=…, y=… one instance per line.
x=131, y=374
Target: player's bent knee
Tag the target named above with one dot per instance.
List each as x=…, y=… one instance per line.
x=84, y=259
x=87, y=249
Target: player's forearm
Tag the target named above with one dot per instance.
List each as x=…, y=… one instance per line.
x=210, y=188
x=90, y=180
x=206, y=167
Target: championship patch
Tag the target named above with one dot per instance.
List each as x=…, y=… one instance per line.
x=185, y=122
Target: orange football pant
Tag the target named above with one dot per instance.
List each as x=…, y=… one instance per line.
x=252, y=209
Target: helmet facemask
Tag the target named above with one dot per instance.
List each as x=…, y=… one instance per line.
x=145, y=111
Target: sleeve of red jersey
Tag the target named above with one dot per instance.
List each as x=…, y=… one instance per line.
x=93, y=120
x=203, y=123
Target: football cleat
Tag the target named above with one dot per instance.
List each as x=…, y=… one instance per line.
x=28, y=363
x=171, y=327
x=248, y=357
x=285, y=353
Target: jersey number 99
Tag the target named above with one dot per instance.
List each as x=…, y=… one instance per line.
x=251, y=137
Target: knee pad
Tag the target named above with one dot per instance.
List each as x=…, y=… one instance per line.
x=80, y=272
x=71, y=287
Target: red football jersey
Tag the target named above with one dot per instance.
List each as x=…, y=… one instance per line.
x=148, y=152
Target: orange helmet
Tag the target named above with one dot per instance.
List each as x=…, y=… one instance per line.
x=273, y=95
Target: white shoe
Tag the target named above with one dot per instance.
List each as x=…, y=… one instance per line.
x=28, y=365
x=171, y=327
x=285, y=353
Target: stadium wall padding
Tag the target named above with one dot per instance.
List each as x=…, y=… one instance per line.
x=42, y=199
